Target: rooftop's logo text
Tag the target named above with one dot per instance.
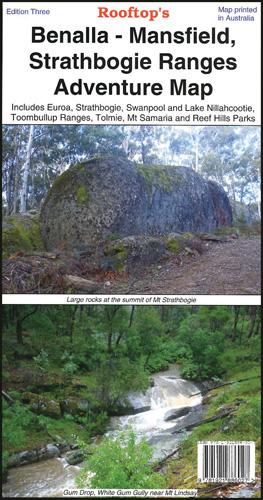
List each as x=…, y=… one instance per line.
x=134, y=13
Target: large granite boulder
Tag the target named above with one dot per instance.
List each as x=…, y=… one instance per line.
x=105, y=198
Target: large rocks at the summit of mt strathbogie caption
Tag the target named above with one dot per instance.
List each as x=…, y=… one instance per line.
x=102, y=198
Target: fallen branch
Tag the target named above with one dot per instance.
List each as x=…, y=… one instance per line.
x=46, y=255
x=161, y=462
x=7, y=397
x=219, y=487
x=212, y=237
x=223, y=414
x=222, y=385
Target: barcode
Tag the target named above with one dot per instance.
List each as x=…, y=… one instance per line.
x=224, y=461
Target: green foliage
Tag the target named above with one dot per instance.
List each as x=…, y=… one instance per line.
x=101, y=353
x=200, y=342
x=70, y=366
x=16, y=419
x=247, y=420
x=21, y=233
x=94, y=423
x=44, y=423
x=120, y=463
x=5, y=458
x=42, y=361
x=114, y=379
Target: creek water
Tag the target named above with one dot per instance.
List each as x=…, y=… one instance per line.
x=50, y=477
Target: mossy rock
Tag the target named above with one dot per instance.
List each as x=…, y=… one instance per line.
x=63, y=184
x=21, y=233
x=173, y=245
x=115, y=257
x=74, y=457
x=42, y=405
x=102, y=197
x=132, y=252
x=159, y=176
x=82, y=194
x=188, y=235
x=75, y=406
x=119, y=250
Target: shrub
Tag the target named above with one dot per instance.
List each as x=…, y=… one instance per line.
x=42, y=361
x=120, y=463
x=16, y=419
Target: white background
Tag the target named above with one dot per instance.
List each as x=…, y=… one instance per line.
x=23, y=85
x=130, y=299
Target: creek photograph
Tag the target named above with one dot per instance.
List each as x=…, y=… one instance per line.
x=96, y=209
x=116, y=396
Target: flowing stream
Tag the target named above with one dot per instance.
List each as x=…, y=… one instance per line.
x=50, y=477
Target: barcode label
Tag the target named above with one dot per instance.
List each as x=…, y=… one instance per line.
x=226, y=461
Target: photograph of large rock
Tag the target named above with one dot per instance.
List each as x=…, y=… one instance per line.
x=131, y=210
x=95, y=199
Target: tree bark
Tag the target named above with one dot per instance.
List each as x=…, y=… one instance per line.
x=253, y=317
x=236, y=316
x=24, y=189
x=130, y=324
x=71, y=329
x=19, y=323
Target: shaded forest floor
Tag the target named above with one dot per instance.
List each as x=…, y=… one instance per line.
x=225, y=268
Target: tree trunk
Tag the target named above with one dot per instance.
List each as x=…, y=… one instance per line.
x=72, y=322
x=19, y=323
x=253, y=317
x=131, y=316
x=196, y=155
x=24, y=189
x=236, y=316
x=130, y=324
x=16, y=191
x=19, y=335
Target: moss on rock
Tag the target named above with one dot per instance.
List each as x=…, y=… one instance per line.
x=42, y=405
x=63, y=183
x=82, y=194
x=115, y=196
x=187, y=235
x=159, y=176
x=173, y=246
x=21, y=233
